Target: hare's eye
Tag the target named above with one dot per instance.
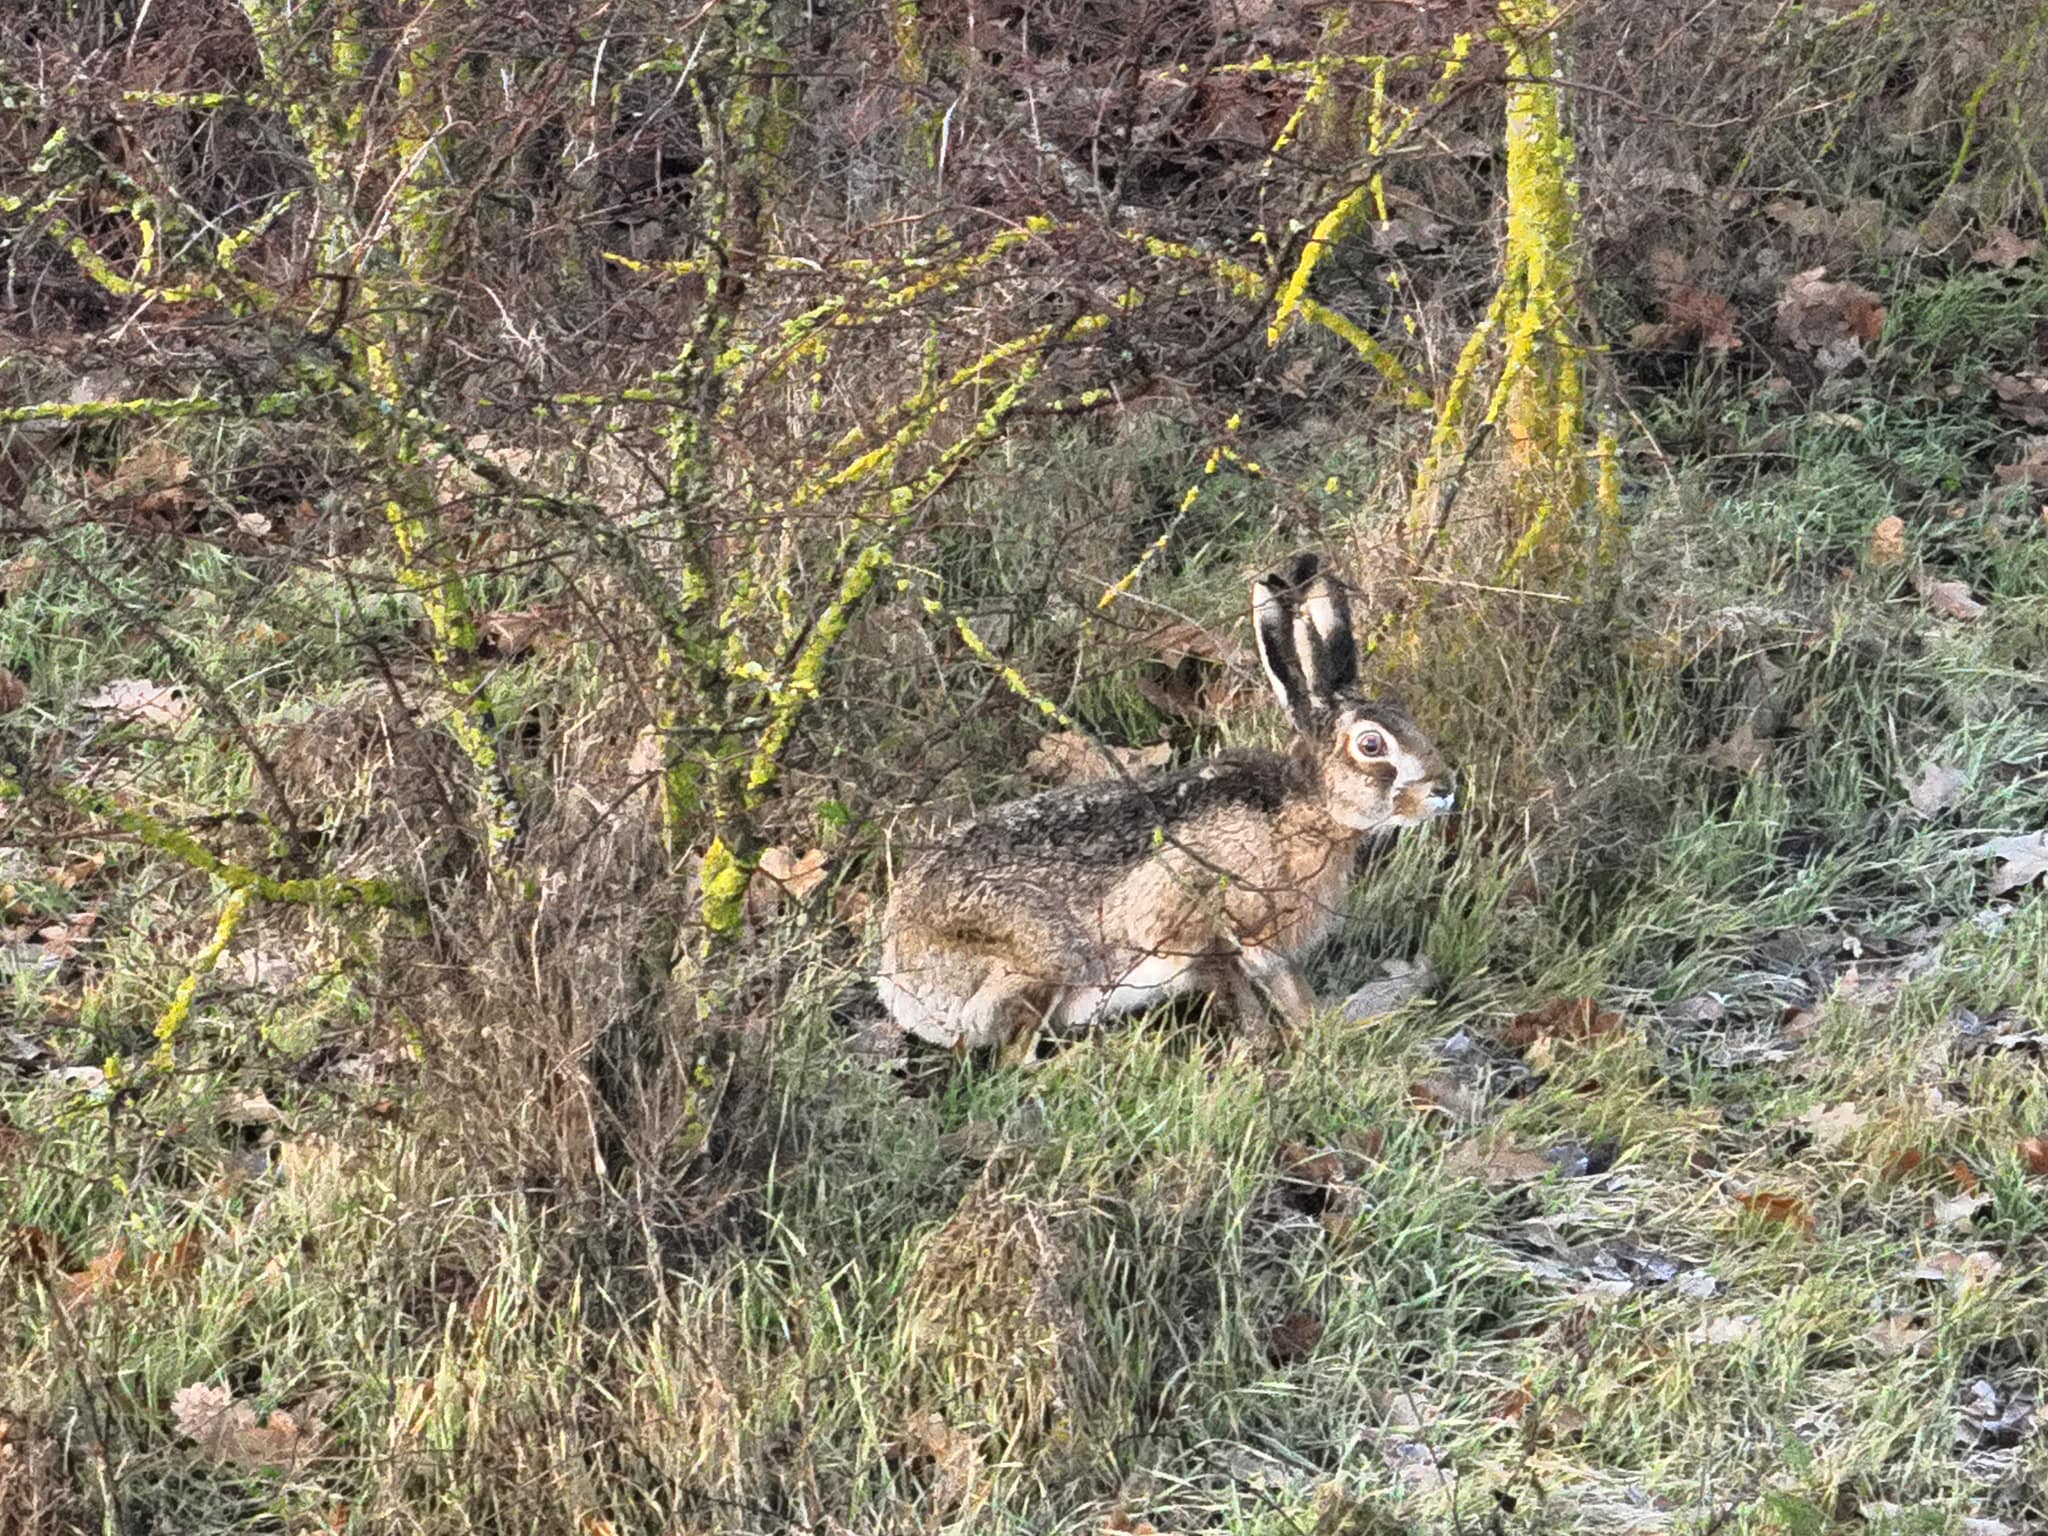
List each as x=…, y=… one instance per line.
x=1369, y=744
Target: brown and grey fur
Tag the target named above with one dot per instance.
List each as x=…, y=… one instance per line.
x=1085, y=902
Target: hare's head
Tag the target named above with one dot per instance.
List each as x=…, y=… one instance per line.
x=1380, y=771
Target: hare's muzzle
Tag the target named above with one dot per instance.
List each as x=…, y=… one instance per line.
x=1443, y=795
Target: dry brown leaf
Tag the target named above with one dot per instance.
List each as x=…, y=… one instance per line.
x=1956, y=1210
x=1962, y=1271
x=62, y=941
x=2023, y=860
x=1937, y=788
x=1692, y=315
x=1565, y=1019
x=1294, y=1337
x=1888, y=541
x=1173, y=643
x=1708, y=317
x=1833, y=322
x=1903, y=1164
x=137, y=698
x=20, y=575
x=1832, y=1124
x=1742, y=752
x=2031, y=468
x=1068, y=757
x=150, y=466
x=1898, y=1334
x=513, y=633
x=1951, y=600
x=13, y=692
x=1784, y=1210
x=1496, y=1163
x=783, y=876
x=2023, y=397
x=2034, y=1153
x=1799, y=218
x=1722, y=1331
x=227, y=1430
x=2003, y=249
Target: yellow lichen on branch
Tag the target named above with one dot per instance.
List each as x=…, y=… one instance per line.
x=174, y=1016
x=1529, y=333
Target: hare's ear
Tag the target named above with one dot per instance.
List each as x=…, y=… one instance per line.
x=1330, y=656
x=1274, y=621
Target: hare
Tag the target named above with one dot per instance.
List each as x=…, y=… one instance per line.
x=1081, y=903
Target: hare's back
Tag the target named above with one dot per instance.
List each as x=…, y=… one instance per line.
x=1087, y=837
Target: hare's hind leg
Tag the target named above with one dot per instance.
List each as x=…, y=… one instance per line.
x=1007, y=1010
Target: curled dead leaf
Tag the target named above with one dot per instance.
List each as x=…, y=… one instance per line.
x=1833, y=322
x=13, y=692
x=2003, y=249
x=1496, y=1163
x=1294, y=1337
x=782, y=876
x=2023, y=860
x=1960, y=1271
x=1937, y=788
x=2023, y=397
x=1568, y=1020
x=1742, y=752
x=228, y=1430
x=1780, y=1209
x=1888, y=541
x=1068, y=757
x=1832, y=1124
x=1951, y=600
x=139, y=699
x=512, y=633
x=2034, y=1154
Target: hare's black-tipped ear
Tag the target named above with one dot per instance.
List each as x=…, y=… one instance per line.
x=1273, y=621
x=1327, y=609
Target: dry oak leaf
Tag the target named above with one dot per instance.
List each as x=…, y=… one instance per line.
x=1951, y=600
x=1898, y=1334
x=1294, y=1337
x=1832, y=1124
x=1742, y=752
x=512, y=633
x=137, y=698
x=13, y=692
x=1785, y=1210
x=783, y=876
x=150, y=466
x=2003, y=249
x=1960, y=1271
x=1888, y=541
x=2023, y=397
x=1831, y=321
x=1707, y=316
x=2034, y=1153
x=1496, y=1164
x=1068, y=757
x=1567, y=1019
x=2030, y=468
x=1937, y=788
x=2023, y=860
x=227, y=1430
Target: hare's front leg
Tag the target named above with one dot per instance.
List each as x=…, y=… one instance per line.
x=1263, y=988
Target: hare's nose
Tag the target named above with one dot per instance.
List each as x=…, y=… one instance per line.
x=1443, y=793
